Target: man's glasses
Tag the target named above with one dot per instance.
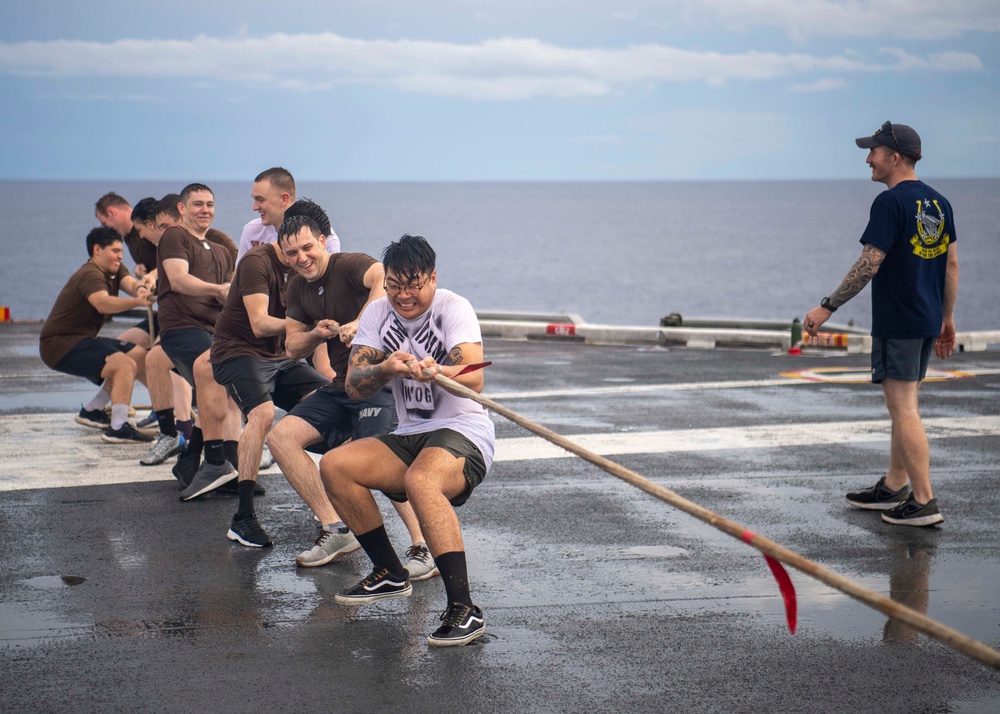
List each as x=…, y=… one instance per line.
x=888, y=127
x=392, y=290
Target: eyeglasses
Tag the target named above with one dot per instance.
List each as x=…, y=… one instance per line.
x=888, y=127
x=392, y=290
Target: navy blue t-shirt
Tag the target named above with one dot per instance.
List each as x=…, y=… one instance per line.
x=914, y=225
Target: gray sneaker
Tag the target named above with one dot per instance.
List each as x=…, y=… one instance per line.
x=208, y=478
x=163, y=449
x=329, y=546
x=266, y=460
x=420, y=563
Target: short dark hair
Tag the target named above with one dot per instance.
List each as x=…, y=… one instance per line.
x=168, y=205
x=305, y=207
x=107, y=201
x=293, y=224
x=146, y=211
x=278, y=177
x=191, y=188
x=102, y=236
x=409, y=257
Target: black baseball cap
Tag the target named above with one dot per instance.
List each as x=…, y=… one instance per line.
x=897, y=137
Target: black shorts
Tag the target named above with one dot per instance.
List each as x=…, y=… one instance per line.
x=904, y=360
x=183, y=347
x=88, y=356
x=338, y=418
x=408, y=446
x=144, y=325
x=252, y=381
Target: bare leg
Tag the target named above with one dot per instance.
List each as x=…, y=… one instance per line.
x=259, y=421
x=213, y=401
x=136, y=336
x=434, y=477
x=409, y=518
x=909, y=441
x=288, y=441
x=182, y=396
x=119, y=372
x=158, y=367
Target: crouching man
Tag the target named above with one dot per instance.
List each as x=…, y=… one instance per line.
x=443, y=445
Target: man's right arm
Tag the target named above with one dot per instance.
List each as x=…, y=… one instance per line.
x=301, y=342
x=183, y=282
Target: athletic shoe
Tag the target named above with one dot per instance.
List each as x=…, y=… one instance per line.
x=163, y=449
x=248, y=531
x=420, y=563
x=230, y=487
x=911, y=513
x=878, y=497
x=127, y=434
x=208, y=478
x=461, y=625
x=96, y=419
x=379, y=585
x=266, y=460
x=186, y=467
x=330, y=545
x=150, y=423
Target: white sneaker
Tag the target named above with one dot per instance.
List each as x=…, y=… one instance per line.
x=329, y=546
x=420, y=563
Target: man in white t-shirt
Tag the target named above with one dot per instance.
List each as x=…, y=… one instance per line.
x=272, y=193
x=443, y=445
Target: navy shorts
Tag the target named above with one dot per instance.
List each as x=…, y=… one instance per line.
x=144, y=325
x=252, y=381
x=903, y=360
x=408, y=446
x=338, y=418
x=183, y=347
x=88, y=356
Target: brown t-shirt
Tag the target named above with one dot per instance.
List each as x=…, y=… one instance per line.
x=339, y=294
x=72, y=317
x=141, y=250
x=211, y=260
x=259, y=273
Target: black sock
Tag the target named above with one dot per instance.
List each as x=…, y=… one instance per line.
x=185, y=428
x=231, y=449
x=455, y=576
x=195, y=443
x=379, y=549
x=244, y=490
x=215, y=454
x=165, y=417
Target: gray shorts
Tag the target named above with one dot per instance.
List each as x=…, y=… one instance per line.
x=408, y=446
x=903, y=360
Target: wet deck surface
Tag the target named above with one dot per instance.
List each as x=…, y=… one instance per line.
x=116, y=596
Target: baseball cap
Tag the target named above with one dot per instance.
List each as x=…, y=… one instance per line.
x=897, y=137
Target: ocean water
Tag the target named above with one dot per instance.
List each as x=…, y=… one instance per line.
x=623, y=253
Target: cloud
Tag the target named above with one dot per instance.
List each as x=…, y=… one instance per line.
x=912, y=19
x=496, y=69
x=820, y=85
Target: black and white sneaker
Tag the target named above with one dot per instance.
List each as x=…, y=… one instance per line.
x=379, y=585
x=95, y=419
x=249, y=532
x=461, y=625
x=878, y=497
x=911, y=513
x=126, y=434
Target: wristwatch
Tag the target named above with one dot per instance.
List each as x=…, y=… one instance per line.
x=825, y=302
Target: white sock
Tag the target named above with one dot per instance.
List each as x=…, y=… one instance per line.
x=99, y=400
x=119, y=415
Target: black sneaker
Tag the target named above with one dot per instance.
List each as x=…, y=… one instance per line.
x=186, y=467
x=379, y=585
x=126, y=434
x=911, y=513
x=230, y=488
x=248, y=531
x=96, y=419
x=878, y=497
x=461, y=625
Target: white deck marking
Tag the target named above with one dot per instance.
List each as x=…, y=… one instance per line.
x=51, y=451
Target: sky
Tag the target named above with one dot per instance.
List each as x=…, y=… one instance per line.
x=484, y=90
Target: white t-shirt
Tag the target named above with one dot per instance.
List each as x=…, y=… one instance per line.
x=256, y=233
x=426, y=406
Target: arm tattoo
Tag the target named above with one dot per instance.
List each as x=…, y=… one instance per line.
x=858, y=276
x=365, y=373
x=455, y=355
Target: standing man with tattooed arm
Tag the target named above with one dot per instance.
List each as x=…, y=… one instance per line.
x=910, y=257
